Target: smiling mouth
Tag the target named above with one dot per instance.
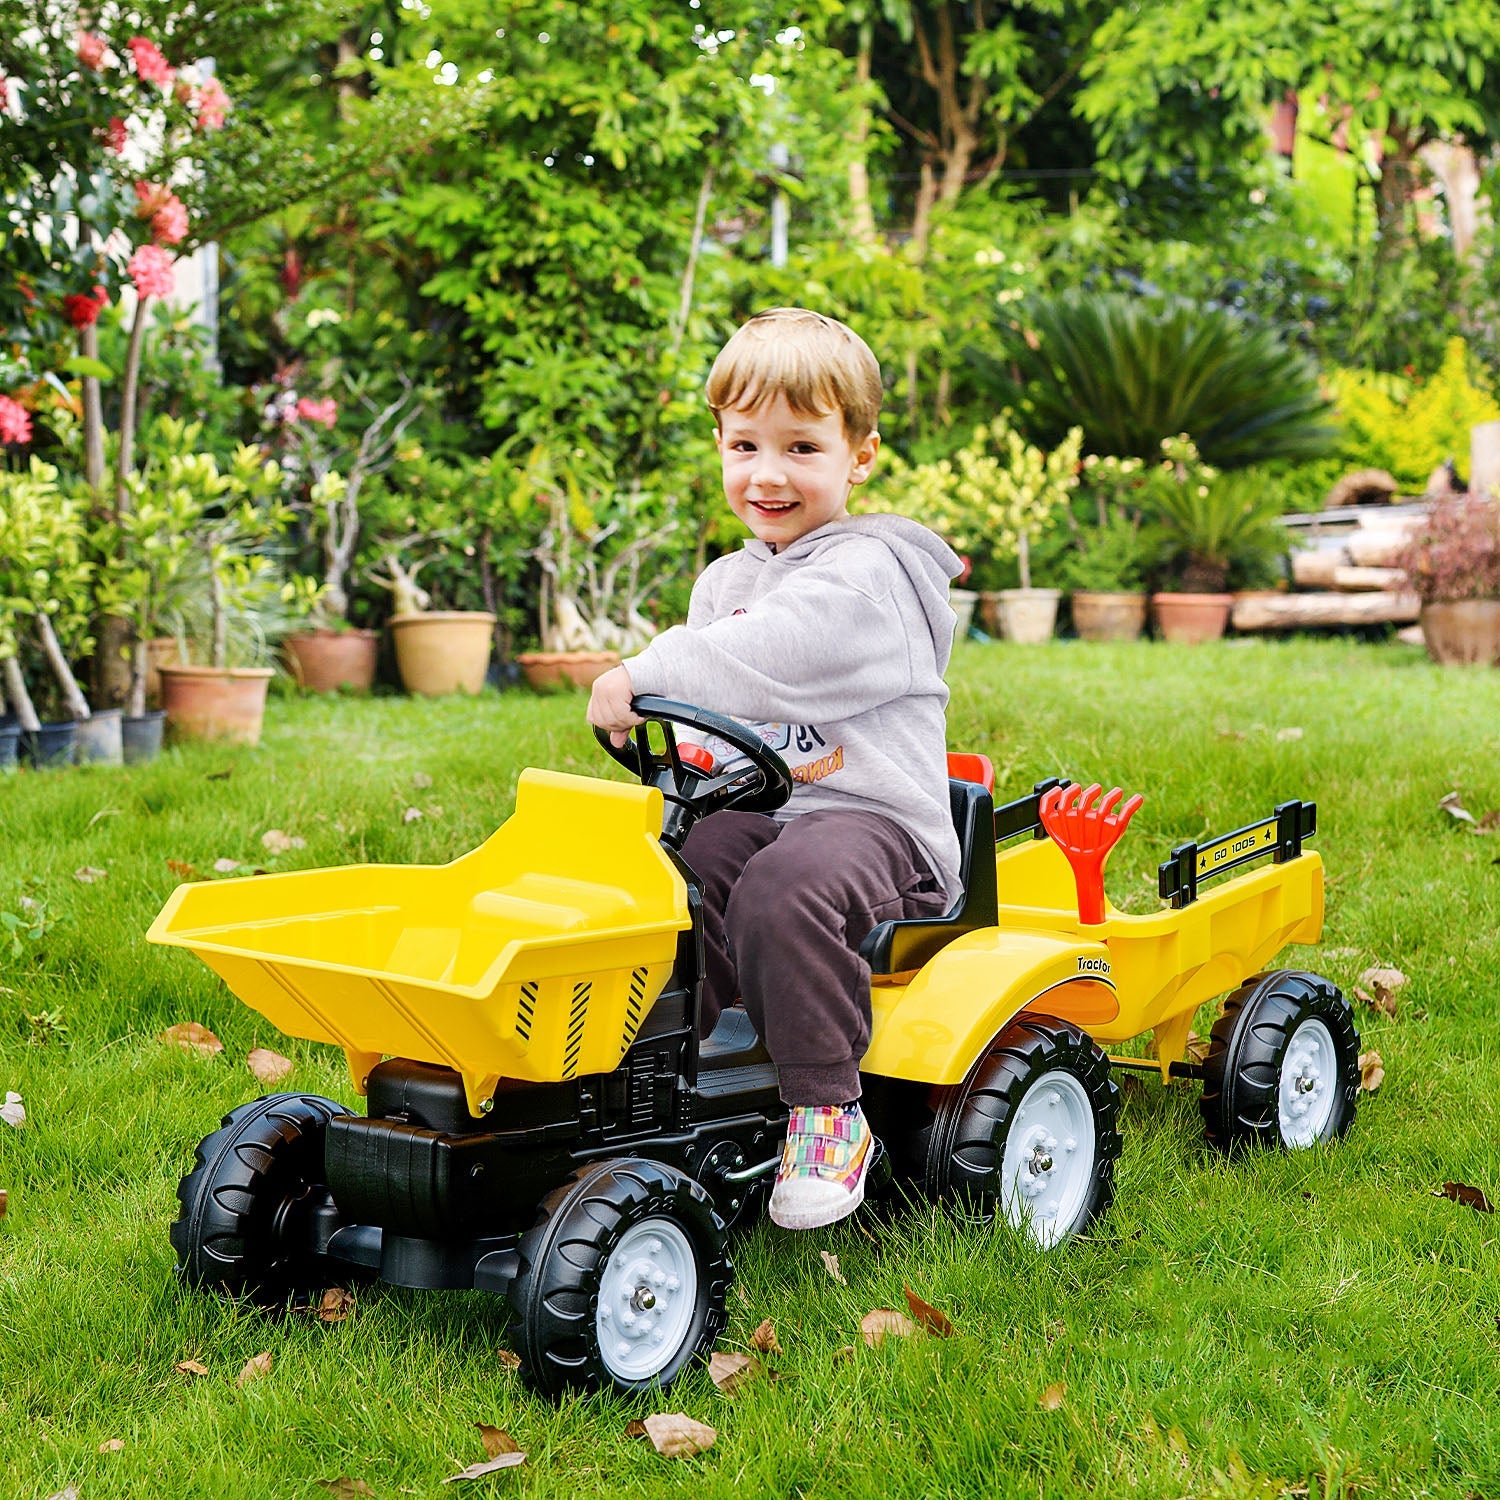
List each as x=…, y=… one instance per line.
x=774, y=507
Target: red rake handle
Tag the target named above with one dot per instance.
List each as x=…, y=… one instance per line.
x=1085, y=833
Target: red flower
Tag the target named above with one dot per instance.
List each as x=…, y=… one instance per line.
x=4, y=93
x=213, y=105
x=91, y=50
x=150, y=65
x=83, y=308
x=114, y=135
x=151, y=270
x=325, y=411
x=15, y=422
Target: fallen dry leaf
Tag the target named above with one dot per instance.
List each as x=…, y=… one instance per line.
x=279, y=842
x=1052, y=1398
x=1452, y=805
x=764, y=1338
x=13, y=1111
x=831, y=1265
x=1384, y=983
x=1197, y=1047
x=1470, y=1197
x=421, y=780
x=182, y=869
x=494, y=1466
x=635, y=1428
x=219, y=775
x=228, y=867
x=1489, y=822
x=111, y=1445
x=193, y=1036
x=268, y=1067
x=730, y=1371
x=346, y=1488
x=496, y=1440
x=843, y=1352
x=255, y=1367
x=4, y=1199
x=882, y=1322
x=1371, y=1071
x=1289, y=733
x=508, y=1361
x=335, y=1305
x=71, y=1493
x=674, y=1434
x=190, y=1367
x=88, y=874
x=411, y=815
x=928, y=1316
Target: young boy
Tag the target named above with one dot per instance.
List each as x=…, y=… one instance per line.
x=830, y=633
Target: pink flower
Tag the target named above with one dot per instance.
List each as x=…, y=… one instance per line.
x=150, y=65
x=325, y=411
x=83, y=308
x=114, y=135
x=169, y=220
x=15, y=422
x=151, y=270
x=91, y=50
x=4, y=93
x=213, y=105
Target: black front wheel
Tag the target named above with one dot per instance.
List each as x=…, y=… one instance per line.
x=623, y=1280
x=1283, y=1064
x=243, y=1226
x=1030, y=1133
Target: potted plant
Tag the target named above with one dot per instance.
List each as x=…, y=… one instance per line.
x=1110, y=551
x=1453, y=563
x=45, y=579
x=217, y=690
x=327, y=651
x=1211, y=523
x=601, y=559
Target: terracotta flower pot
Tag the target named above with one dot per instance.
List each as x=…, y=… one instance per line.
x=1101, y=616
x=1027, y=616
x=323, y=661
x=443, y=651
x=581, y=668
x=1462, y=632
x=1191, y=617
x=213, y=703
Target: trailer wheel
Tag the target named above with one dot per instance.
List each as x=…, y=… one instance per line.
x=1283, y=1064
x=623, y=1279
x=242, y=1203
x=1030, y=1133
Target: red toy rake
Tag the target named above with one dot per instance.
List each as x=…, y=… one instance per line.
x=1086, y=833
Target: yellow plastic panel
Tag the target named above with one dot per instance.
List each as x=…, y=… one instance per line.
x=932, y=1029
x=534, y=957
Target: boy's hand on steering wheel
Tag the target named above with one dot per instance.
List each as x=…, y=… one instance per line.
x=609, y=705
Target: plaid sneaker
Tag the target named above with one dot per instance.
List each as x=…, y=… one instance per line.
x=822, y=1176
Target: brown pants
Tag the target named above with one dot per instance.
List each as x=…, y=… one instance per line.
x=785, y=908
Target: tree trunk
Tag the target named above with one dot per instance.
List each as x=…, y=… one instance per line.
x=861, y=212
x=77, y=704
x=20, y=699
x=93, y=418
x=1394, y=190
x=129, y=392
x=685, y=300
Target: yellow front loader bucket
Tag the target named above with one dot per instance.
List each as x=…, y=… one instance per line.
x=534, y=957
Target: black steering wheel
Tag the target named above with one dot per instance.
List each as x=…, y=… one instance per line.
x=761, y=786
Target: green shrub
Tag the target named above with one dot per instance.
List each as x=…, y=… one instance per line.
x=1133, y=371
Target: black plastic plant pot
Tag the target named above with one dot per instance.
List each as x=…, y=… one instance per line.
x=10, y=746
x=50, y=747
x=141, y=737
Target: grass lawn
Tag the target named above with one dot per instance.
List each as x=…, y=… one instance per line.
x=1316, y=1324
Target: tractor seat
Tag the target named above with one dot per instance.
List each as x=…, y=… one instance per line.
x=906, y=943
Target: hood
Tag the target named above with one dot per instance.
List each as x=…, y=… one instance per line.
x=924, y=556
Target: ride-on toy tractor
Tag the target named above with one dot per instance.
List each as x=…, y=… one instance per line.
x=543, y=1121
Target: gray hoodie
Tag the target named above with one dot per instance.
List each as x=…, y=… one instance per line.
x=834, y=649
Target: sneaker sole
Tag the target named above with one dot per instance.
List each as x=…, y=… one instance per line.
x=821, y=1218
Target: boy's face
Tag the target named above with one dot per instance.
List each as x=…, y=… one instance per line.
x=787, y=473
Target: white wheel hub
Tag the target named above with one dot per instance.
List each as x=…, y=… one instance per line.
x=647, y=1297
x=1309, y=1084
x=1048, y=1165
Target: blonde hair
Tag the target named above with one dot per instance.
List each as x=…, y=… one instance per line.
x=819, y=364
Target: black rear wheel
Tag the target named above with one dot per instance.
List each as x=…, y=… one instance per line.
x=1283, y=1064
x=1030, y=1133
x=623, y=1280
x=243, y=1225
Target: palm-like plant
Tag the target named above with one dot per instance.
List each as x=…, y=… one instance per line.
x=1211, y=526
x=1132, y=371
